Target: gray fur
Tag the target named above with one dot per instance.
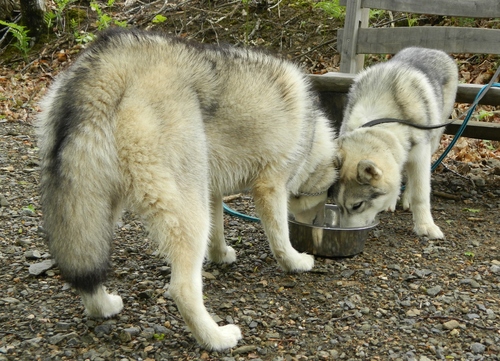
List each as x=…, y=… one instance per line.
x=165, y=128
x=417, y=85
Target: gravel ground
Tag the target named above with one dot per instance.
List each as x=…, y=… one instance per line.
x=403, y=298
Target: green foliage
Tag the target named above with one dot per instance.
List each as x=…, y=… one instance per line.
x=489, y=145
x=21, y=34
x=469, y=255
x=104, y=20
x=484, y=114
x=471, y=210
x=158, y=19
x=159, y=336
x=332, y=9
x=57, y=16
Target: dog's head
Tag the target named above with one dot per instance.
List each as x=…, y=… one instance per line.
x=366, y=187
x=308, y=209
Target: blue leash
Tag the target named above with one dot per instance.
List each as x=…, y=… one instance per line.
x=460, y=130
x=238, y=214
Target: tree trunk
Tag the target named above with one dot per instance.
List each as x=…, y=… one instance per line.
x=32, y=12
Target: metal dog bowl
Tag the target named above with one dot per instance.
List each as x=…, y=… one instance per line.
x=328, y=240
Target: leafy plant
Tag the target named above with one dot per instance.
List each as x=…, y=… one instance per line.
x=469, y=254
x=484, y=114
x=159, y=336
x=158, y=19
x=471, y=210
x=332, y=9
x=104, y=19
x=21, y=34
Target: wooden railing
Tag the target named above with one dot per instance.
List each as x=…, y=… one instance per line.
x=356, y=39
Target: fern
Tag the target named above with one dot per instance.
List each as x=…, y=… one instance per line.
x=21, y=34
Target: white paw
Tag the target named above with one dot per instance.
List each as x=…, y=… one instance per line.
x=299, y=262
x=222, y=338
x=229, y=256
x=405, y=202
x=430, y=230
x=102, y=304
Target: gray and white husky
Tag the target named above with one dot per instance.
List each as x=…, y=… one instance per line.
x=418, y=86
x=165, y=128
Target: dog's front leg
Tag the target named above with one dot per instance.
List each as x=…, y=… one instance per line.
x=271, y=204
x=419, y=187
x=218, y=251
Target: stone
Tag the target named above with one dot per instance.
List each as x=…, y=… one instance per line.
x=434, y=291
x=477, y=347
x=37, y=269
x=451, y=325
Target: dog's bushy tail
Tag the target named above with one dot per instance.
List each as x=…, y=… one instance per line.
x=80, y=182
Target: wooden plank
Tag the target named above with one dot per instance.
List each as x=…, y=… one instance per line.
x=459, y=8
x=476, y=130
x=449, y=39
x=354, y=19
x=340, y=82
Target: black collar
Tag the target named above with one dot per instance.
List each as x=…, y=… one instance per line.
x=402, y=121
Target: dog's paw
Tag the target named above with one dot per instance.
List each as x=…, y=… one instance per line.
x=300, y=262
x=222, y=338
x=102, y=304
x=429, y=230
x=228, y=256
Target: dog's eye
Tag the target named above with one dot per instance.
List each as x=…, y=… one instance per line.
x=357, y=206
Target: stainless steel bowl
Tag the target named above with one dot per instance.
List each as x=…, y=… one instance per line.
x=328, y=240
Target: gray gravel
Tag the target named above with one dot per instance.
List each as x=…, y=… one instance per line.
x=403, y=298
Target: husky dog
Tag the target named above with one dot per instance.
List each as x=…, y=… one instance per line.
x=165, y=128
x=418, y=86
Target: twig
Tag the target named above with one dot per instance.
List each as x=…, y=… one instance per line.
x=342, y=318
x=446, y=195
x=316, y=47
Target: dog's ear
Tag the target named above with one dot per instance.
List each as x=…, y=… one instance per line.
x=367, y=171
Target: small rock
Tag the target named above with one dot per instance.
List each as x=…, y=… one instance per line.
x=244, y=349
x=103, y=329
x=451, y=325
x=421, y=273
x=33, y=342
x=491, y=314
x=3, y=201
x=132, y=331
x=413, y=312
x=216, y=318
x=147, y=294
x=433, y=291
x=33, y=254
x=477, y=347
x=39, y=268
x=54, y=340
x=125, y=337
x=10, y=300
x=495, y=269
x=469, y=281
x=208, y=275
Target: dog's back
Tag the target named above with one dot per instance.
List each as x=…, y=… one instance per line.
x=415, y=82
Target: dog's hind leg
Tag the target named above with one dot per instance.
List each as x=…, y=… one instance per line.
x=419, y=188
x=271, y=200
x=170, y=191
x=179, y=222
x=218, y=251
